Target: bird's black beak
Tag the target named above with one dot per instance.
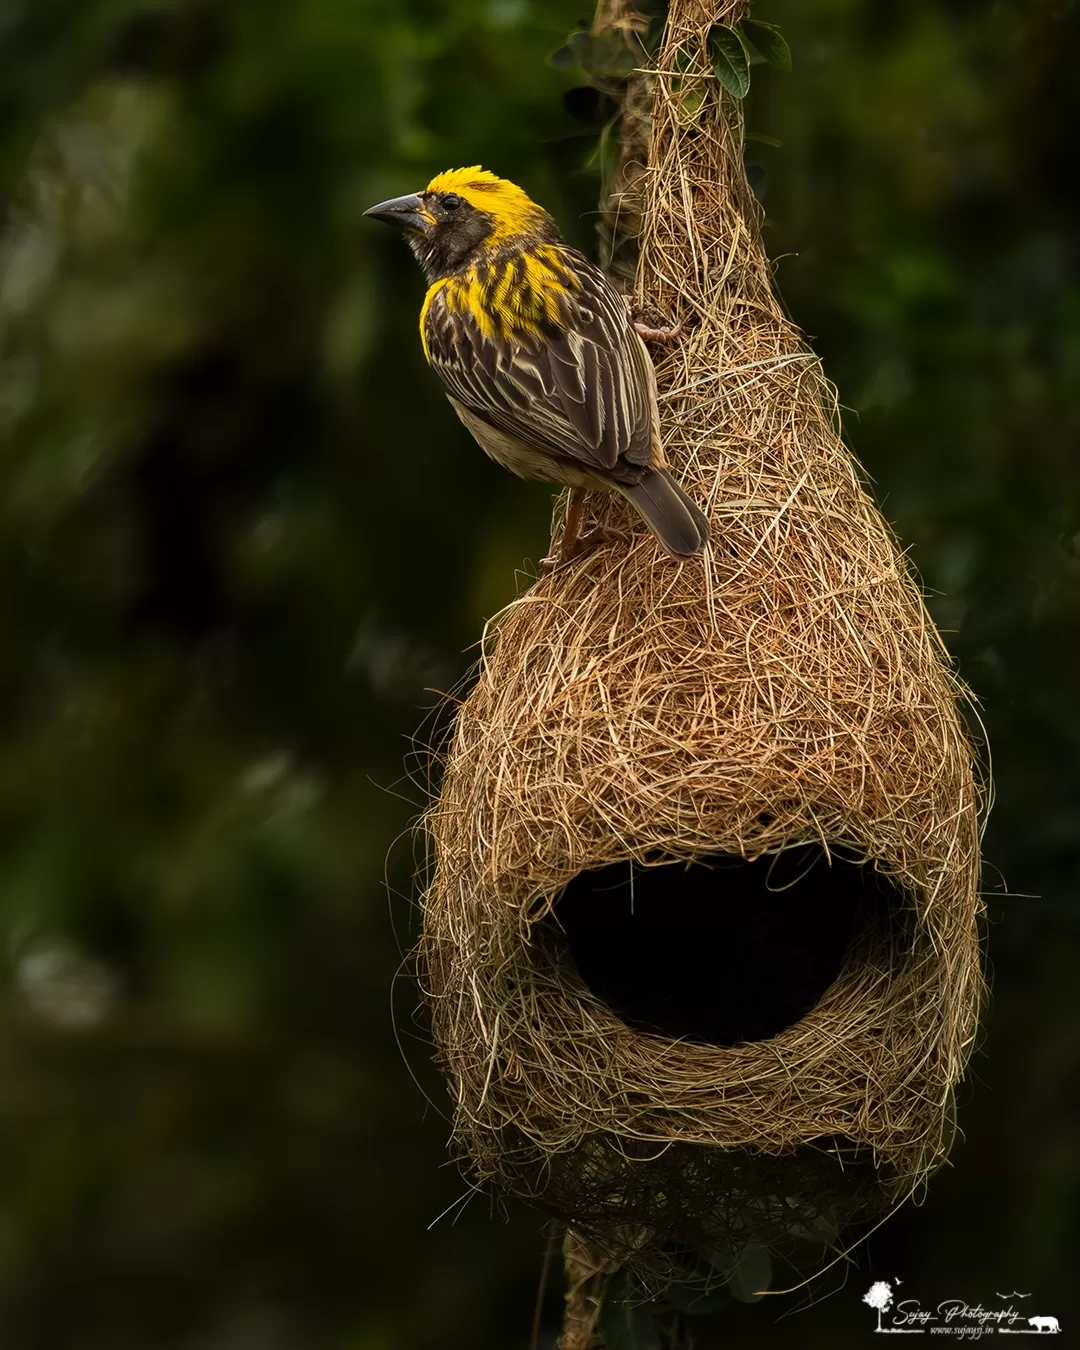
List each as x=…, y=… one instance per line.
x=404, y=213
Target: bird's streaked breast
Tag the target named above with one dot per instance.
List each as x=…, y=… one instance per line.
x=515, y=296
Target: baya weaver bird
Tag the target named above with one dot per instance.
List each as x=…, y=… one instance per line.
x=538, y=354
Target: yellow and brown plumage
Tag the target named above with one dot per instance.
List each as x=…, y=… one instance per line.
x=538, y=353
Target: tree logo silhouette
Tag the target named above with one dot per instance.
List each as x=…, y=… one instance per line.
x=880, y=1297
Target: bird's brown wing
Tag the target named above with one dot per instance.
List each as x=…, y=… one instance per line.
x=583, y=390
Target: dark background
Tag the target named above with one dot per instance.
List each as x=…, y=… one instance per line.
x=241, y=535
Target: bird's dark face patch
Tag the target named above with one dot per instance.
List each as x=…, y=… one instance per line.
x=458, y=229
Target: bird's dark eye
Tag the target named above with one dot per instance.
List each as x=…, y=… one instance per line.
x=451, y=201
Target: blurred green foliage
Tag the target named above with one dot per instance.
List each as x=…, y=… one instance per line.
x=241, y=536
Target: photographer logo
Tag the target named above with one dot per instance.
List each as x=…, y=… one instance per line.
x=953, y=1316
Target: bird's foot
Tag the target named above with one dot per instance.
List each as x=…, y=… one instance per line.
x=648, y=322
x=601, y=534
x=649, y=334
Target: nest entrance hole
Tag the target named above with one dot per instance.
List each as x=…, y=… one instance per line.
x=721, y=951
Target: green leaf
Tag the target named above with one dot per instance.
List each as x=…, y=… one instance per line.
x=762, y=139
x=752, y=1273
x=650, y=39
x=625, y=1322
x=768, y=41
x=697, y=1300
x=587, y=104
x=609, y=153
x=682, y=60
x=730, y=60
x=820, y=1228
x=576, y=52
x=610, y=56
x=581, y=44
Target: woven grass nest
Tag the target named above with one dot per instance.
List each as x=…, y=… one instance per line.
x=701, y=935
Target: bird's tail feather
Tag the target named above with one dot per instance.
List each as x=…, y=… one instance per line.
x=681, y=527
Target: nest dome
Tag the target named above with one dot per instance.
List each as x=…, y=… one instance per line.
x=701, y=935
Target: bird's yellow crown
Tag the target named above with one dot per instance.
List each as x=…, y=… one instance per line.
x=513, y=210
